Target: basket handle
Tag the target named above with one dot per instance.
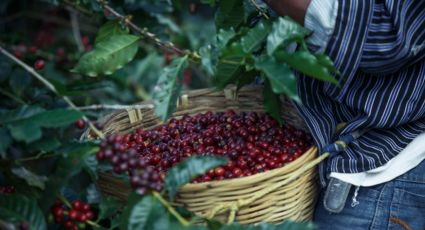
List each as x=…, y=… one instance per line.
x=234, y=206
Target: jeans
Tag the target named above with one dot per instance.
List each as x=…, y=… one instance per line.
x=397, y=204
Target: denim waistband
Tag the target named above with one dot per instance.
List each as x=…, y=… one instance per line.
x=416, y=174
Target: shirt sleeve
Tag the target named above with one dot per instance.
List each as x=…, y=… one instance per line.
x=320, y=18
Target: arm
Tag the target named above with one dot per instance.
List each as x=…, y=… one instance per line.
x=295, y=9
x=377, y=38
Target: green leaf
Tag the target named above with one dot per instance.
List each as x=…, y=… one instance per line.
x=284, y=32
x=108, y=207
x=168, y=88
x=282, y=79
x=255, y=37
x=56, y=118
x=25, y=123
x=209, y=58
x=143, y=213
x=287, y=225
x=5, y=142
x=19, y=81
x=70, y=165
x=272, y=102
x=25, y=131
x=31, y=178
x=236, y=226
x=223, y=37
x=246, y=79
x=326, y=62
x=213, y=224
x=209, y=2
x=91, y=166
x=20, y=113
x=17, y=208
x=230, y=13
x=5, y=68
x=109, y=29
x=108, y=55
x=116, y=221
x=230, y=66
x=210, y=53
x=185, y=171
x=308, y=64
x=46, y=144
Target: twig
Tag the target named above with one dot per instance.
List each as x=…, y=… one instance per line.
x=13, y=97
x=51, y=87
x=145, y=33
x=170, y=208
x=253, y=2
x=37, y=157
x=92, y=223
x=76, y=29
x=115, y=107
x=64, y=200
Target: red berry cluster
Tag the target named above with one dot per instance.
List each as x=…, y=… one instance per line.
x=253, y=142
x=80, y=212
x=143, y=176
x=7, y=189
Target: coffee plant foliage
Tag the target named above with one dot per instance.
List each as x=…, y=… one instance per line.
x=91, y=56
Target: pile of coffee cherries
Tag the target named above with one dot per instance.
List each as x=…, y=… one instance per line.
x=70, y=218
x=253, y=143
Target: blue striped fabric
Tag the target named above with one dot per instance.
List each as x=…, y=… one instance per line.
x=378, y=46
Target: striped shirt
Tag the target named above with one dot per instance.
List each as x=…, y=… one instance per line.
x=379, y=48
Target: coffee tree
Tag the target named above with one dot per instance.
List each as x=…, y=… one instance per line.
x=66, y=63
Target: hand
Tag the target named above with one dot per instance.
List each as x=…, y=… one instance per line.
x=296, y=9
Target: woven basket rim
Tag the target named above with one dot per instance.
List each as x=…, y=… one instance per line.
x=257, y=176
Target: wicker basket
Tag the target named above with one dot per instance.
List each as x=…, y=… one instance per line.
x=284, y=193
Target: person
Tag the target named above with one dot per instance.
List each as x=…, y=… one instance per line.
x=373, y=124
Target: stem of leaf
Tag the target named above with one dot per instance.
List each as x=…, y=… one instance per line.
x=37, y=157
x=94, y=224
x=170, y=208
x=65, y=201
x=253, y=2
x=51, y=87
x=11, y=96
x=229, y=62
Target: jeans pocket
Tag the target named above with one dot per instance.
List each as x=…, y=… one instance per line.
x=408, y=206
x=411, y=194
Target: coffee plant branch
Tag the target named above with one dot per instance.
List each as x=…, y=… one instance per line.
x=51, y=87
x=145, y=33
x=36, y=157
x=11, y=96
x=253, y=2
x=170, y=208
